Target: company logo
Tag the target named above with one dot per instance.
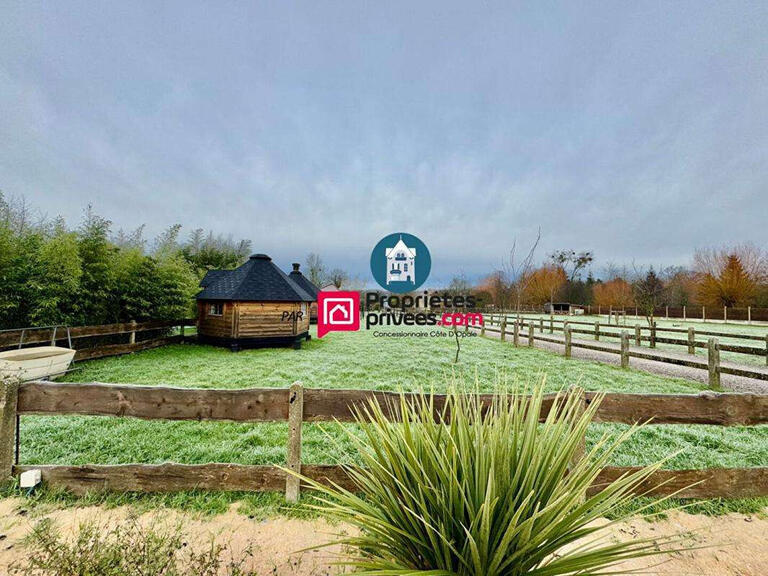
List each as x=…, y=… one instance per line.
x=400, y=263
x=337, y=312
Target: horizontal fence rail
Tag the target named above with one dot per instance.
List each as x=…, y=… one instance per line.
x=297, y=405
x=52, y=335
x=271, y=404
x=711, y=483
x=537, y=328
x=694, y=313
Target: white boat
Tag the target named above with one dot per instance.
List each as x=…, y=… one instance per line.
x=35, y=363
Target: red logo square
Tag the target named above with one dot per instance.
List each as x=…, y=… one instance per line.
x=337, y=312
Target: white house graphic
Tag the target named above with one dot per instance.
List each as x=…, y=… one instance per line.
x=400, y=263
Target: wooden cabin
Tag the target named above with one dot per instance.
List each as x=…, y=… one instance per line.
x=308, y=287
x=252, y=306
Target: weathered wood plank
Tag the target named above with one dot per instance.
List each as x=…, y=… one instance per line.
x=8, y=401
x=159, y=402
x=710, y=483
x=43, y=335
x=295, y=417
x=705, y=408
x=270, y=404
x=120, y=349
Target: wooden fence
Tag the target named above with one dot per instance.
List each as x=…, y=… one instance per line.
x=501, y=324
x=297, y=405
x=65, y=335
x=693, y=313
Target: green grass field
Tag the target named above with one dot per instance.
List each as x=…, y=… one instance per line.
x=350, y=360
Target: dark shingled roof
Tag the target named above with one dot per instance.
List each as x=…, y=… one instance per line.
x=256, y=280
x=304, y=282
x=211, y=276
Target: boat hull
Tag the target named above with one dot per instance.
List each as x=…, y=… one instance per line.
x=35, y=363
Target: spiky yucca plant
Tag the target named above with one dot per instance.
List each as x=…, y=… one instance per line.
x=481, y=489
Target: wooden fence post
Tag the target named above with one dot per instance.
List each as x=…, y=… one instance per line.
x=541, y=325
x=749, y=314
x=482, y=327
x=624, y=349
x=504, y=329
x=597, y=330
x=181, y=331
x=653, y=334
x=516, y=333
x=567, y=333
x=9, y=394
x=691, y=340
x=704, y=313
x=683, y=312
x=725, y=314
x=530, y=333
x=638, y=336
x=666, y=312
x=551, y=324
x=581, y=447
x=132, y=337
x=713, y=361
x=295, y=417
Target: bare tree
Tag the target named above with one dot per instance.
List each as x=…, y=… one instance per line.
x=576, y=261
x=338, y=277
x=316, y=269
x=459, y=285
x=517, y=272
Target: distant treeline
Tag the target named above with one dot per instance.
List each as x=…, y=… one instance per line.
x=731, y=276
x=53, y=274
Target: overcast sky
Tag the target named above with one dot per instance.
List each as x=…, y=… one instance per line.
x=637, y=130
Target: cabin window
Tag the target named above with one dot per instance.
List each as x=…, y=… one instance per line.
x=216, y=309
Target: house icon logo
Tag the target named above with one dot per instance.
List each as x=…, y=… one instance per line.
x=400, y=262
x=337, y=311
x=401, y=265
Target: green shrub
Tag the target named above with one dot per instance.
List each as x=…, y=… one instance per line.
x=128, y=549
x=482, y=490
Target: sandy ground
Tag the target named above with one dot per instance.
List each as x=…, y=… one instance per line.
x=736, y=545
x=728, y=381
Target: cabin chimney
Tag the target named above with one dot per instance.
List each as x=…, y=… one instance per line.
x=296, y=266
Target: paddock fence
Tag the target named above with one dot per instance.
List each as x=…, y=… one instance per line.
x=537, y=327
x=693, y=313
x=298, y=404
x=99, y=341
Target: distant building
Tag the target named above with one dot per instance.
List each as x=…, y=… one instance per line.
x=254, y=305
x=401, y=265
x=308, y=287
x=563, y=308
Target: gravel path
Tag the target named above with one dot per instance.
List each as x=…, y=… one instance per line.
x=728, y=381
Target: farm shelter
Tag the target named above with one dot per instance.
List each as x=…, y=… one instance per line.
x=561, y=308
x=254, y=305
x=308, y=287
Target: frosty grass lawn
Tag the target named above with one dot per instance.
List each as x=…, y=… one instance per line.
x=349, y=360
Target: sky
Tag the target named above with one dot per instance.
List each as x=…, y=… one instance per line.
x=638, y=130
